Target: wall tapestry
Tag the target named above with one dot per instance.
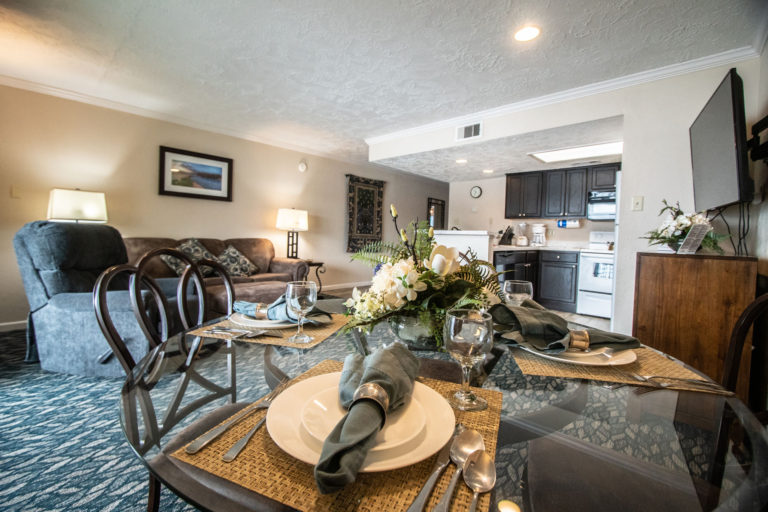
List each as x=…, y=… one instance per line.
x=364, y=203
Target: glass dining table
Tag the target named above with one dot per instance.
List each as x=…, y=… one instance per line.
x=563, y=444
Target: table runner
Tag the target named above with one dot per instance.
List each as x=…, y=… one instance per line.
x=649, y=362
x=319, y=332
x=264, y=468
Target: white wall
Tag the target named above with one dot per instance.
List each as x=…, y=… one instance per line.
x=47, y=142
x=656, y=163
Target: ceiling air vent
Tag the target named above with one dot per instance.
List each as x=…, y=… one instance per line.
x=470, y=131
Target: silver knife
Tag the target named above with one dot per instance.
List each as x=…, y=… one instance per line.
x=443, y=459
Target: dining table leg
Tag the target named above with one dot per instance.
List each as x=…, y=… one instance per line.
x=153, y=497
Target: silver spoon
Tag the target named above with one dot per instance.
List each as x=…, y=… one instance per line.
x=479, y=474
x=465, y=443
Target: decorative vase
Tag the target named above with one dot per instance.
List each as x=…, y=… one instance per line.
x=413, y=332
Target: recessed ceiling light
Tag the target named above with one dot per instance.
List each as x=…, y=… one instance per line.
x=561, y=155
x=527, y=33
x=461, y=160
x=487, y=171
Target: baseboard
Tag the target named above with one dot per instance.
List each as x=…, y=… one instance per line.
x=12, y=326
x=340, y=286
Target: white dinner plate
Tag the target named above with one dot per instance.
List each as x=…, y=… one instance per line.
x=255, y=323
x=285, y=426
x=323, y=411
x=587, y=359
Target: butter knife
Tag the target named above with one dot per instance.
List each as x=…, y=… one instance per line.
x=443, y=459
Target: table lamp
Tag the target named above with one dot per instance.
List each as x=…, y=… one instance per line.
x=293, y=221
x=77, y=206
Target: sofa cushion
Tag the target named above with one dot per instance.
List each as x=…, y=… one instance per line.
x=236, y=263
x=270, y=276
x=196, y=252
x=259, y=250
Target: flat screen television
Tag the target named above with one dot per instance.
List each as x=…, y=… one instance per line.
x=719, y=148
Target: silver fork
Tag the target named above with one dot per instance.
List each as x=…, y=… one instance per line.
x=654, y=378
x=205, y=439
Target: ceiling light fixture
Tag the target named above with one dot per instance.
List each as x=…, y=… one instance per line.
x=562, y=155
x=527, y=33
x=487, y=171
x=461, y=160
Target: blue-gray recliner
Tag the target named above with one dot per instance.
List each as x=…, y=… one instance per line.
x=59, y=264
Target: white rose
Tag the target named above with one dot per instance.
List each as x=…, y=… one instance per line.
x=443, y=260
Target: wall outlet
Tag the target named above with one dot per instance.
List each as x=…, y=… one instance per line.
x=637, y=203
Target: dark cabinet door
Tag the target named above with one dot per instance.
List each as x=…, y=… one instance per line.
x=554, y=186
x=558, y=280
x=523, y=195
x=575, y=196
x=603, y=177
x=514, y=195
x=565, y=193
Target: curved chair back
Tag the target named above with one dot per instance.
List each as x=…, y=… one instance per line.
x=142, y=286
x=738, y=336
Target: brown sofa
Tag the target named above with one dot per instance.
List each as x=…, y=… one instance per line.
x=265, y=286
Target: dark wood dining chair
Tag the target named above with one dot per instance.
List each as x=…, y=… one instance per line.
x=156, y=316
x=749, y=318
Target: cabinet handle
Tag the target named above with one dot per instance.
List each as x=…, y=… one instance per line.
x=558, y=257
x=527, y=265
x=573, y=266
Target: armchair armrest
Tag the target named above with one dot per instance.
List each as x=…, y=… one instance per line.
x=298, y=269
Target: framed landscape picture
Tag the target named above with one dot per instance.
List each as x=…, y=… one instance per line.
x=189, y=174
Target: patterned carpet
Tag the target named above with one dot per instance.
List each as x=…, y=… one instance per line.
x=61, y=445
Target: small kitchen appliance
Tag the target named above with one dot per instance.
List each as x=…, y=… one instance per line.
x=520, y=238
x=539, y=238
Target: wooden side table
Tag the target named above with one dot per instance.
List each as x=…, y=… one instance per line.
x=319, y=269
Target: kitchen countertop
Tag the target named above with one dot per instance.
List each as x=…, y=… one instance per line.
x=580, y=247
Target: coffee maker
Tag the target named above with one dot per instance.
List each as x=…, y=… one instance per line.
x=539, y=232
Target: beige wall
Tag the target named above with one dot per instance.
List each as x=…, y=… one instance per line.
x=656, y=163
x=48, y=142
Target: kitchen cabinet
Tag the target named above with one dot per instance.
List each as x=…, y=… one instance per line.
x=558, y=280
x=565, y=193
x=516, y=265
x=603, y=177
x=687, y=306
x=523, y=195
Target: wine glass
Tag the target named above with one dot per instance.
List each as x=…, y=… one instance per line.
x=300, y=297
x=517, y=291
x=468, y=336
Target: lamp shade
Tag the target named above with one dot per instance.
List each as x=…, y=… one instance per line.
x=290, y=219
x=77, y=205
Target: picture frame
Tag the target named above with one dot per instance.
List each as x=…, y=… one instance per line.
x=190, y=174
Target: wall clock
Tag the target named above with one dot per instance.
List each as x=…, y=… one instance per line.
x=475, y=192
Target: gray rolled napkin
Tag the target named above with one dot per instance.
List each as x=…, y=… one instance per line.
x=393, y=368
x=278, y=310
x=545, y=330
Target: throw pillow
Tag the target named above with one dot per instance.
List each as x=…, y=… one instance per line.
x=236, y=263
x=196, y=252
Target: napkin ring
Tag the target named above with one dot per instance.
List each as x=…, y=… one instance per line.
x=580, y=340
x=374, y=392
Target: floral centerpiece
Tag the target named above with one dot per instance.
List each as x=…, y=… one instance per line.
x=415, y=277
x=673, y=231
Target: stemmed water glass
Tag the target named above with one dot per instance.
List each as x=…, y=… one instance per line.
x=517, y=291
x=300, y=297
x=468, y=336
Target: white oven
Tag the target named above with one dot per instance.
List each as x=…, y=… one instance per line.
x=596, y=271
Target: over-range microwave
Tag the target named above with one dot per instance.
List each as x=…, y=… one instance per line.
x=601, y=205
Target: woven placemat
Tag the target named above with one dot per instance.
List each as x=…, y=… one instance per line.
x=319, y=333
x=264, y=468
x=649, y=362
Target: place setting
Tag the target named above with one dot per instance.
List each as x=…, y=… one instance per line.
x=271, y=324
x=544, y=344
x=368, y=434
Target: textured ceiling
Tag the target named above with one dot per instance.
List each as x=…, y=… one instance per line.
x=509, y=154
x=323, y=76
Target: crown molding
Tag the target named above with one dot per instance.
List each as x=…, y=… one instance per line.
x=160, y=116
x=710, y=61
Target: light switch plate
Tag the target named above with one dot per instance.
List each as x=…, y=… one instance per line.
x=637, y=203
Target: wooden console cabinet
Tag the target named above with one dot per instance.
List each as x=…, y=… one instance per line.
x=687, y=306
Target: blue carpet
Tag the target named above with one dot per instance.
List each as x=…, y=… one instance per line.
x=61, y=444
